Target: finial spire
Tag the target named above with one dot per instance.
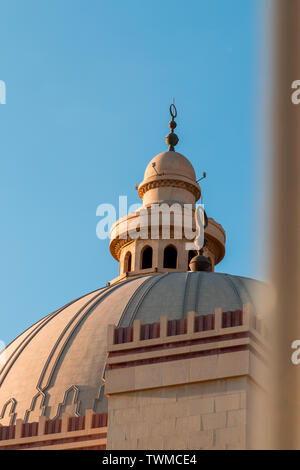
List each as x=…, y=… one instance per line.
x=172, y=138
x=200, y=262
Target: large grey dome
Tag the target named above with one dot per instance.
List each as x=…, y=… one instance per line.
x=58, y=363
x=176, y=294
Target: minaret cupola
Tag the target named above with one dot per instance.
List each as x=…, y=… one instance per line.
x=169, y=185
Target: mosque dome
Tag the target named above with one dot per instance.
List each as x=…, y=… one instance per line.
x=58, y=364
x=169, y=177
x=170, y=164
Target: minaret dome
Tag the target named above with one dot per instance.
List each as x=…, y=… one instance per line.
x=170, y=184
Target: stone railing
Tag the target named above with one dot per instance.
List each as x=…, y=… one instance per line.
x=74, y=432
x=229, y=342
x=215, y=322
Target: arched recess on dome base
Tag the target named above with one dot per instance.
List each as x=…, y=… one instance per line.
x=170, y=257
x=127, y=266
x=146, y=257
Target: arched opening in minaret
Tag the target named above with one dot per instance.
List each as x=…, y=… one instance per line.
x=170, y=257
x=192, y=253
x=147, y=254
x=127, y=262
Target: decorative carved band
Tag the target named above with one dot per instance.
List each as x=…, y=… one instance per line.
x=213, y=245
x=192, y=188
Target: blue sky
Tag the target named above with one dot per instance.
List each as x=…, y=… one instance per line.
x=89, y=84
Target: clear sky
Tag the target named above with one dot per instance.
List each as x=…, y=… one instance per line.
x=89, y=83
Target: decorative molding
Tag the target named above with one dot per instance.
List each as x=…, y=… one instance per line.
x=12, y=413
x=33, y=405
x=101, y=395
x=58, y=350
x=192, y=188
x=75, y=401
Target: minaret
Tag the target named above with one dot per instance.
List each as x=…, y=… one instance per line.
x=169, y=187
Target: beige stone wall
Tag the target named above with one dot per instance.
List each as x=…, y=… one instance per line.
x=194, y=390
x=206, y=415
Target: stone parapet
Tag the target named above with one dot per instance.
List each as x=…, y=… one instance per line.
x=186, y=383
x=69, y=432
x=211, y=339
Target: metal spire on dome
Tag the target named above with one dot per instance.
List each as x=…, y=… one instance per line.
x=172, y=139
x=200, y=262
